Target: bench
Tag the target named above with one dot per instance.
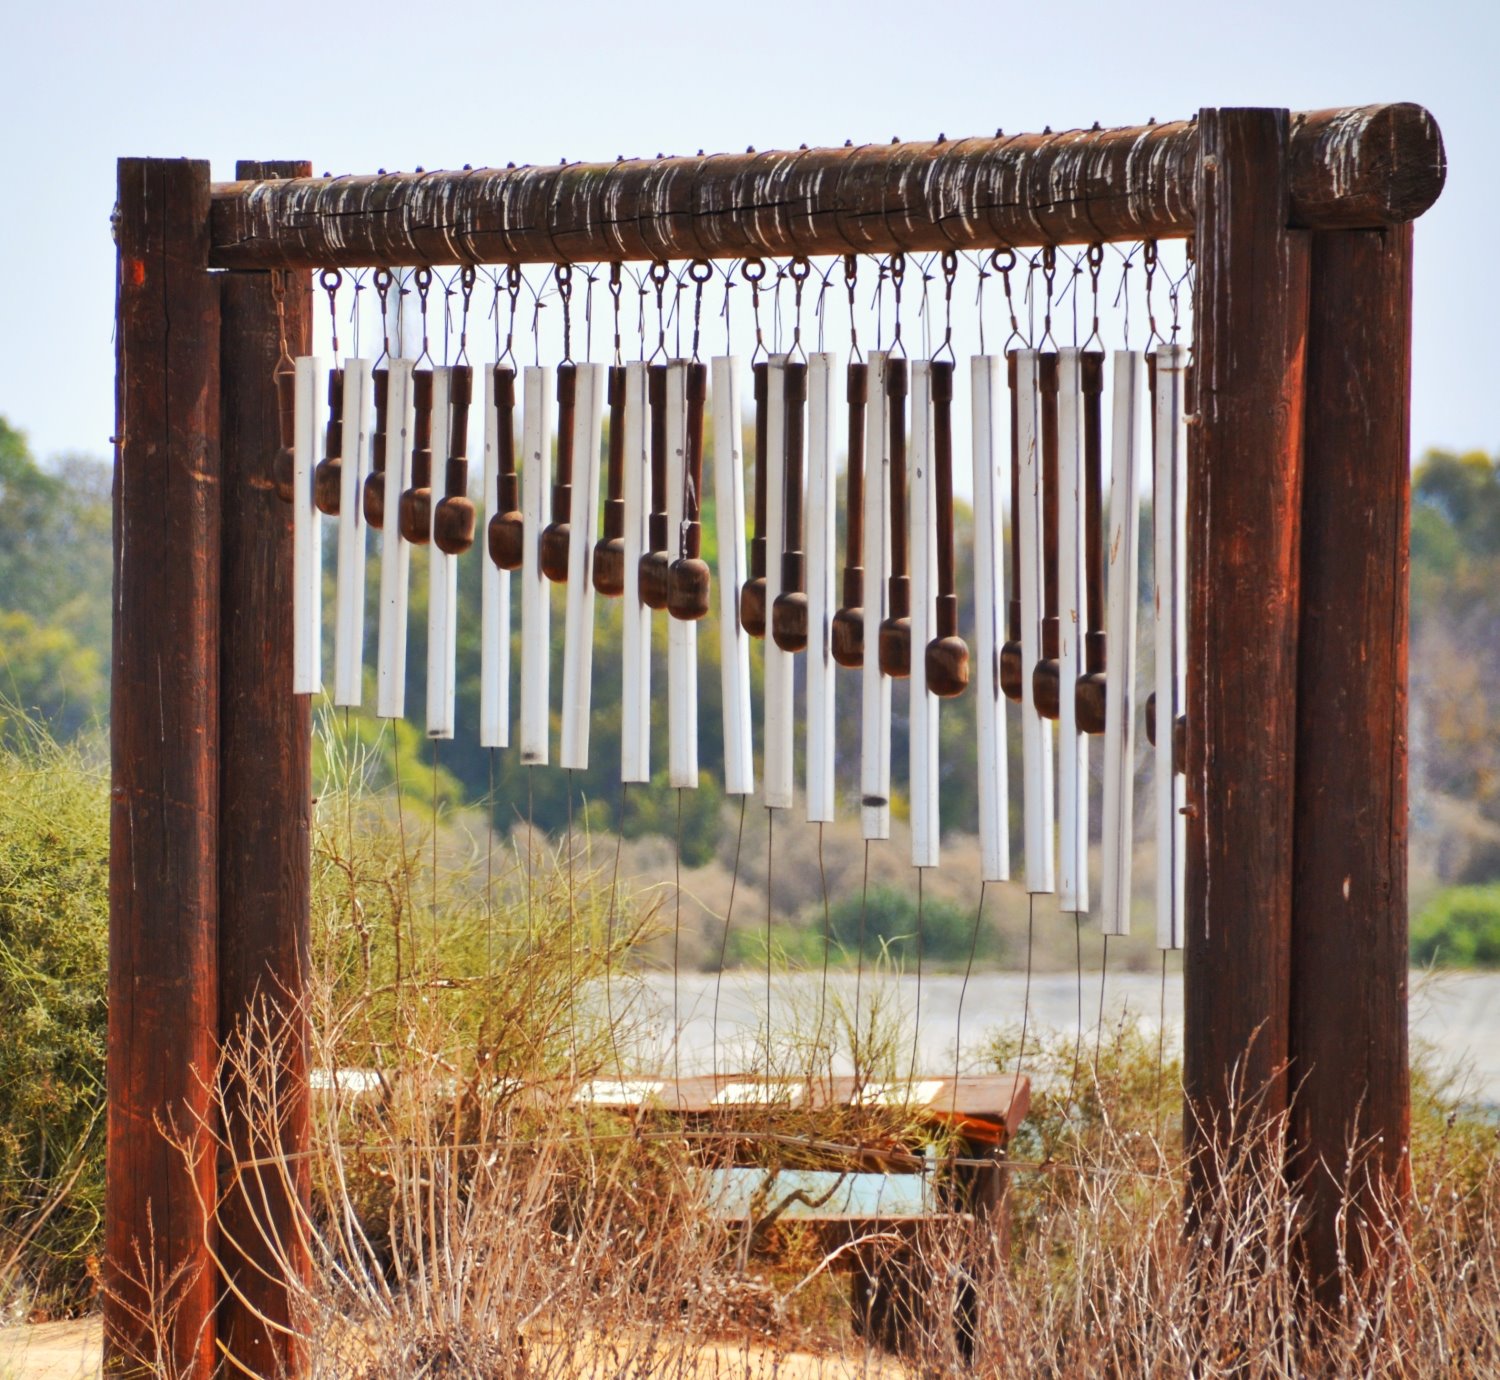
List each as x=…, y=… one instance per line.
x=905, y=1157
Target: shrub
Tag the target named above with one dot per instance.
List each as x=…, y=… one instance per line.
x=1459, y=927
x=890, y=922
x=54, y=923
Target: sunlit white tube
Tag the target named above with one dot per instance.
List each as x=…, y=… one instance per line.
x=635, y=698
x=875, y=689
x=780, y=707
x=442, y=576
x=1119, y=706
x=536, y=621
x=494, y=595
x=729, y=515
x=1036, y=732
x=922, y=546
x=1171, y=637
x=583, y=531
x=991, y=429
x=307, y=532
x=682, y=634
x=1072, y=593
x=821, y=554
x=395, y=554
x=349, y=627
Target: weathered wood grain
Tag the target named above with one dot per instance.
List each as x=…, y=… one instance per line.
x=1371, y=165
x=265, y=803
x=1349, y=942
x=1244, y=495
x=164, y=737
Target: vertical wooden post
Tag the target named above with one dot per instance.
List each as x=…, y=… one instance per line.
x=1349, y=943
x=164, y=798
x=265, y=792
x=1244, y=498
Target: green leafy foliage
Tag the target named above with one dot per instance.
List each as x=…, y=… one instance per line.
x=54, y=920
x=1459, y=928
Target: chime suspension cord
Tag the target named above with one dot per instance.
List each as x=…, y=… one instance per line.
x=734, y=882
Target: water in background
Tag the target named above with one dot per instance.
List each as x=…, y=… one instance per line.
x=1455, y=1017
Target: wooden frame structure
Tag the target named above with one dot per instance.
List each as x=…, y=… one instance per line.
x=1298, y=510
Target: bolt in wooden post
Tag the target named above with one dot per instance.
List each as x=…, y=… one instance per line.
x=1349, y=1054
x=164, y=747
x=265, y=803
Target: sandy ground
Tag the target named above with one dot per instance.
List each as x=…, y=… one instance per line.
x=51, y=1351
x=70, y=1351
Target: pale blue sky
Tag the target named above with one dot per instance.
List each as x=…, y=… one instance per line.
x=374, y=84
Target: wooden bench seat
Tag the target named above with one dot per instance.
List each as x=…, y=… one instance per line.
x=868, y=1189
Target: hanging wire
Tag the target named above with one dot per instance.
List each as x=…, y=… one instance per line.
x=422, y=278
x=924, y=268
x=798, y=271
x=1095, y=260
x=981, y=275
x=616, y=286
x=699, y=271
x=330, y=280
x=360, y=285
x=818, y=312
x=562, y=275
x=897, y=267
x=1049, y=279
x=851, y=276
x=734, y=882
x=467, y=276
x=1122, y=292
x=661, y=274
x=963, y=991
x=1003, y=261
x=753, y=271
x=727, y=273
x=1149, y=257
x=382, y=281
x=590, y=277
x=950, y=272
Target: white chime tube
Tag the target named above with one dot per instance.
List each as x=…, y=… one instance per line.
x=991, y=434
x=1072, y=594
x=635, y=699
x=349, y=625
x=729, y=514
x=822, y=553
x=1036, y=731
x=682, y=633
x=875, y=688
x=1171, y=637
x=494, y=595
x=1118, y=838
x=395, y=554
x=780, y=706
x=536, y=450
x=922, y=548
x=307, y=532
x=442, y=576
x=583, y=531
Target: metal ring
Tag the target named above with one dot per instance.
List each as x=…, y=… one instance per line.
x=330, y=279
x=700, y=270
x=1007, y=264
x=758, y=265
x=800, y=269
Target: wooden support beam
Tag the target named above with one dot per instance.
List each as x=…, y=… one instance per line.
x=1349, y=943
x=1244, y=498
x=265, y=803
x=1369, y=165
x=164, y=799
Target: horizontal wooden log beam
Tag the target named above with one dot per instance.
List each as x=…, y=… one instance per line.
x=1370, y=166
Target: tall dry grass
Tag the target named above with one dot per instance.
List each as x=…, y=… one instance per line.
x=467, y=1215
